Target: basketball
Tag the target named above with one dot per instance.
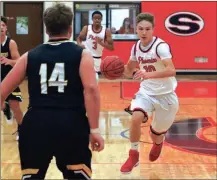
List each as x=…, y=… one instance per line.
x=112, y=67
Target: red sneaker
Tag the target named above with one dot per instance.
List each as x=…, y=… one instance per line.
x=155, y=151
x=132, y=161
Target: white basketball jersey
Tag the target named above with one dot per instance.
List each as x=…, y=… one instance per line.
x=91, y=45
x=149, y=60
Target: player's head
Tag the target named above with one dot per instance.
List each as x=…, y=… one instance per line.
x=4, y=22
x=97, y=18
x=58, y=20
x=145, y=27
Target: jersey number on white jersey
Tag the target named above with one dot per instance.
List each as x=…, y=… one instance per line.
x=149, y=68
x=94, y=45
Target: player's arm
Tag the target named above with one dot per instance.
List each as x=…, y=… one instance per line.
x=132, y=64
x=108, y=44
x=14, y=54
x=166, y=57
x=14, y=77
x=91, y=91
x=82, y=36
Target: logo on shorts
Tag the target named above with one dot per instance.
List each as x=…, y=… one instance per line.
x=184, y=23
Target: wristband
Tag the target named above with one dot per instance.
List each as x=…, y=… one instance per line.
x=95, y=131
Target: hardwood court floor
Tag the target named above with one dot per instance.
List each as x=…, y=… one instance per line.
x=190, y=147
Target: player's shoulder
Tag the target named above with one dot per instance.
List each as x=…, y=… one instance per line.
x=11, y=42
x=160, y=40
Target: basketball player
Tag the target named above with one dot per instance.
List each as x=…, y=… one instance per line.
x=62, y=88
x=9, y=57
x=156, y=92
x=97, y=38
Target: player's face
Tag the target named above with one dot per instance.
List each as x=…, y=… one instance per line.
x=3, y=28
x=144, y=30
x=97, y=19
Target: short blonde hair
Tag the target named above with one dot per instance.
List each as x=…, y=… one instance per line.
x=145, y=16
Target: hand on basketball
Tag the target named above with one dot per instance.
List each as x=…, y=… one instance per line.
x=141, y=75
x=97, y=142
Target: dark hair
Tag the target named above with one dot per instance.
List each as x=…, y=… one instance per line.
x=4, y=19
x=58, y=19
x=145, y=16
x=96, y=12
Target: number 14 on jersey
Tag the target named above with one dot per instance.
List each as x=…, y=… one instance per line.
x=57, y=77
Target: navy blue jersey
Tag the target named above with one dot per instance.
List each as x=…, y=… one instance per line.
x=5, y=51
x=53, y=75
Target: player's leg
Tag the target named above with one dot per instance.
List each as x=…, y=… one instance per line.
x=97, y=63
x=14, y=100
x=97, y=77
x=35, y=148
x=73, y=156
x=76, y=163
x=7, y=112
x=140, y=105
x=162, y=121
x=130, y=111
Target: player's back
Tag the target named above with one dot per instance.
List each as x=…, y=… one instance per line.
x=53, y=75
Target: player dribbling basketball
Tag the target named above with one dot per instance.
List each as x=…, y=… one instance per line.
x=156, y=92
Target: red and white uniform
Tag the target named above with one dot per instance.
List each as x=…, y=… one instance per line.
x=93, y=47
x=157, y=94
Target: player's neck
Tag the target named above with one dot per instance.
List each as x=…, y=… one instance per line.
x=58, y=38
x=3, y=37
x=97, y=27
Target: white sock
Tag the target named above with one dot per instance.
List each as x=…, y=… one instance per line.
x=135, y=146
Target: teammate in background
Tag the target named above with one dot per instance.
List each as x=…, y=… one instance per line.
x=97, y=38
x=156, y=92
x=62, y=89
x=9, y=57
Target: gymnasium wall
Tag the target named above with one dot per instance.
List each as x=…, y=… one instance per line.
x=50, y=3
x=194, y=46
x=192, y=40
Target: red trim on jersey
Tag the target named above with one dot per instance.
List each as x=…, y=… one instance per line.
x=148, y=48
x=140, y=109
x=134, y=51
x=162, y=43
x=95, y=31
x=157, y=133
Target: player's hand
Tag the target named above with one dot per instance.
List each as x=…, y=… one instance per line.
x=99, y=40
x=97, y=142
x=5, y=61
x=141, y=75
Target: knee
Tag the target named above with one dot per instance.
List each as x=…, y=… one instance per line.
x=138, y=117
x=157, y=133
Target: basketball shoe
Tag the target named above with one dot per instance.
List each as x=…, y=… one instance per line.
x=132, y=161
x=8, y=113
